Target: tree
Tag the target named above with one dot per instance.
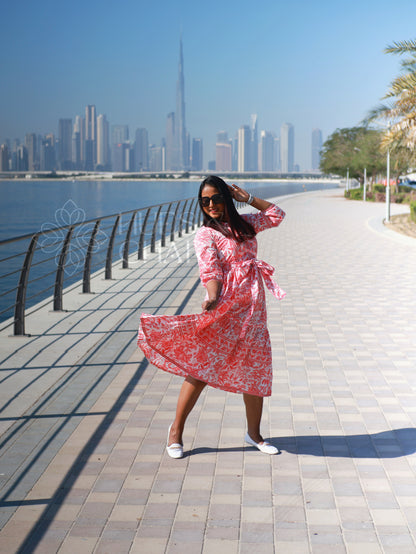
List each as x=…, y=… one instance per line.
x=353, y=149
x=400, y=109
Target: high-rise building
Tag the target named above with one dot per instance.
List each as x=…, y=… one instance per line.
x=222, y=137
x=4, y=157
x=22, y=158
x=141, y=150
x=287, y=147
x=78, y=143
x=182, y=149
x=119, y=133
x=197, y=154
x=90, y=139
x=47, y=153
x=103, y=145
x=223, y=156
x=244, y=148
x=254, y=144
x=31, y=143
x=156, y=158
x=267, y=151
x=171, y=143
x=65, y=144
x=277, y=162
x=316, y=148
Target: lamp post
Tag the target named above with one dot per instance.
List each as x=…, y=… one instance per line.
x=348, y=178
x=365, y=185
x=388, y=188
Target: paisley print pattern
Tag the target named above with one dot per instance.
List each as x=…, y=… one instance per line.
x=228, y=347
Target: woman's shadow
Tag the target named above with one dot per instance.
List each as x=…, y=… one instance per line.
x=386, y=444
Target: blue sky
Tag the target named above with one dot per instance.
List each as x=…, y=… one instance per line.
x=314, y=63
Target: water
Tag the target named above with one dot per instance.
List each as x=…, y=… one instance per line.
x=28, y=206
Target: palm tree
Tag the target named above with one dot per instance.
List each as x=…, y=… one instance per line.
x=400, y=109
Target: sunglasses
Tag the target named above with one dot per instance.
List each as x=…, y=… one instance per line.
x=216, y=199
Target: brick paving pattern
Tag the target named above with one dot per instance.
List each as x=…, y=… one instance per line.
x=343, y=414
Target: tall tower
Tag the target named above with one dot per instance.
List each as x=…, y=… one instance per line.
x=65, y=144
x=90, y=138
x=180, y=126
x=103, y=149
x=316, y=148
x=254, y=144
x=287, y=147
x=244, y=147
x=141, y=150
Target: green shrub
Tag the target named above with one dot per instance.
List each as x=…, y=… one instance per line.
x=356, y=194
x=413, y=211
x=379, y=188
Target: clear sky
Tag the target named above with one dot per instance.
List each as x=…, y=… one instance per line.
x=314, y=63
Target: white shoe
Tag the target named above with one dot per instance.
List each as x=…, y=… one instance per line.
x=264, y=446
x=175, y=450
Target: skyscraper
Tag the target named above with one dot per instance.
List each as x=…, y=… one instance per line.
x=32, y=151
x=254, y=144
x=316, y=148
x=78, y=143
x=90, y=139
x=65, y=144
x=197, y=154
x=244, y=148
x=141, y=150
x=103, y=147
x=180, y=130
x=287, y=147
x=223, y=156
x=171, y=143
x=267, y=151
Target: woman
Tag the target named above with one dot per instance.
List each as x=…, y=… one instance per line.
x=228, y=345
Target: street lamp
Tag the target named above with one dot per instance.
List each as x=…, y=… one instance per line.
x=365, y=185
x=388, y=188
x=348, y=178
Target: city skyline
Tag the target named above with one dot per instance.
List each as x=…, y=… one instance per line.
x=312, y=64
x=88, y=146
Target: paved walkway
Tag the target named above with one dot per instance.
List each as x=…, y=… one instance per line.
x=343, y=413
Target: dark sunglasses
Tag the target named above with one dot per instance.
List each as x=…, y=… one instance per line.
x=216, y=199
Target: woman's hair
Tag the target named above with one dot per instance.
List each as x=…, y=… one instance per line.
x=240, y=229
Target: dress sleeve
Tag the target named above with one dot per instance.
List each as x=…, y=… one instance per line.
x=207, y=254
x=272, y=217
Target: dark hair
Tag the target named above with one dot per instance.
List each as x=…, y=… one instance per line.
x=240, y=229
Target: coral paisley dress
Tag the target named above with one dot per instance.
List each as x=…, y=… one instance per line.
x=228, y=347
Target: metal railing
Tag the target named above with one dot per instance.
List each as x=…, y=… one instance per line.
x=29, y=274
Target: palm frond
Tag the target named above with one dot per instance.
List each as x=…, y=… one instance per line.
x=401, y=47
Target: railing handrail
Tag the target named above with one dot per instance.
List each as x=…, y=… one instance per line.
x=84, y=245
x=93, y=220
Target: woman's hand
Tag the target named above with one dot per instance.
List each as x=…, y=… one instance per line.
x=239, y=194
x=209, y=305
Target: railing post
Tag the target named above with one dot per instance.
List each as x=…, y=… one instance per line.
x=19, y=310
x=59, y=280
x=181, y=219
x=188, y=217
x=86, y=280
x=127, y=242
x=109, y=257
x=165, y=223
x=140, y=255
x=172, y=227
x=153, y=239
x=196, y=210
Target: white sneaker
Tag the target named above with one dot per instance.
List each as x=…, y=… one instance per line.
x=264, y=446
x=175, y=450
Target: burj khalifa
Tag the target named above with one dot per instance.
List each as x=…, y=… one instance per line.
x=180, y=126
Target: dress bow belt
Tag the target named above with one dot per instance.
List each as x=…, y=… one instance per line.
x=266, y=271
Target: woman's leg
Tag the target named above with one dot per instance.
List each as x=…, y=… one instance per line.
x=254, y=409
x=189, y=394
